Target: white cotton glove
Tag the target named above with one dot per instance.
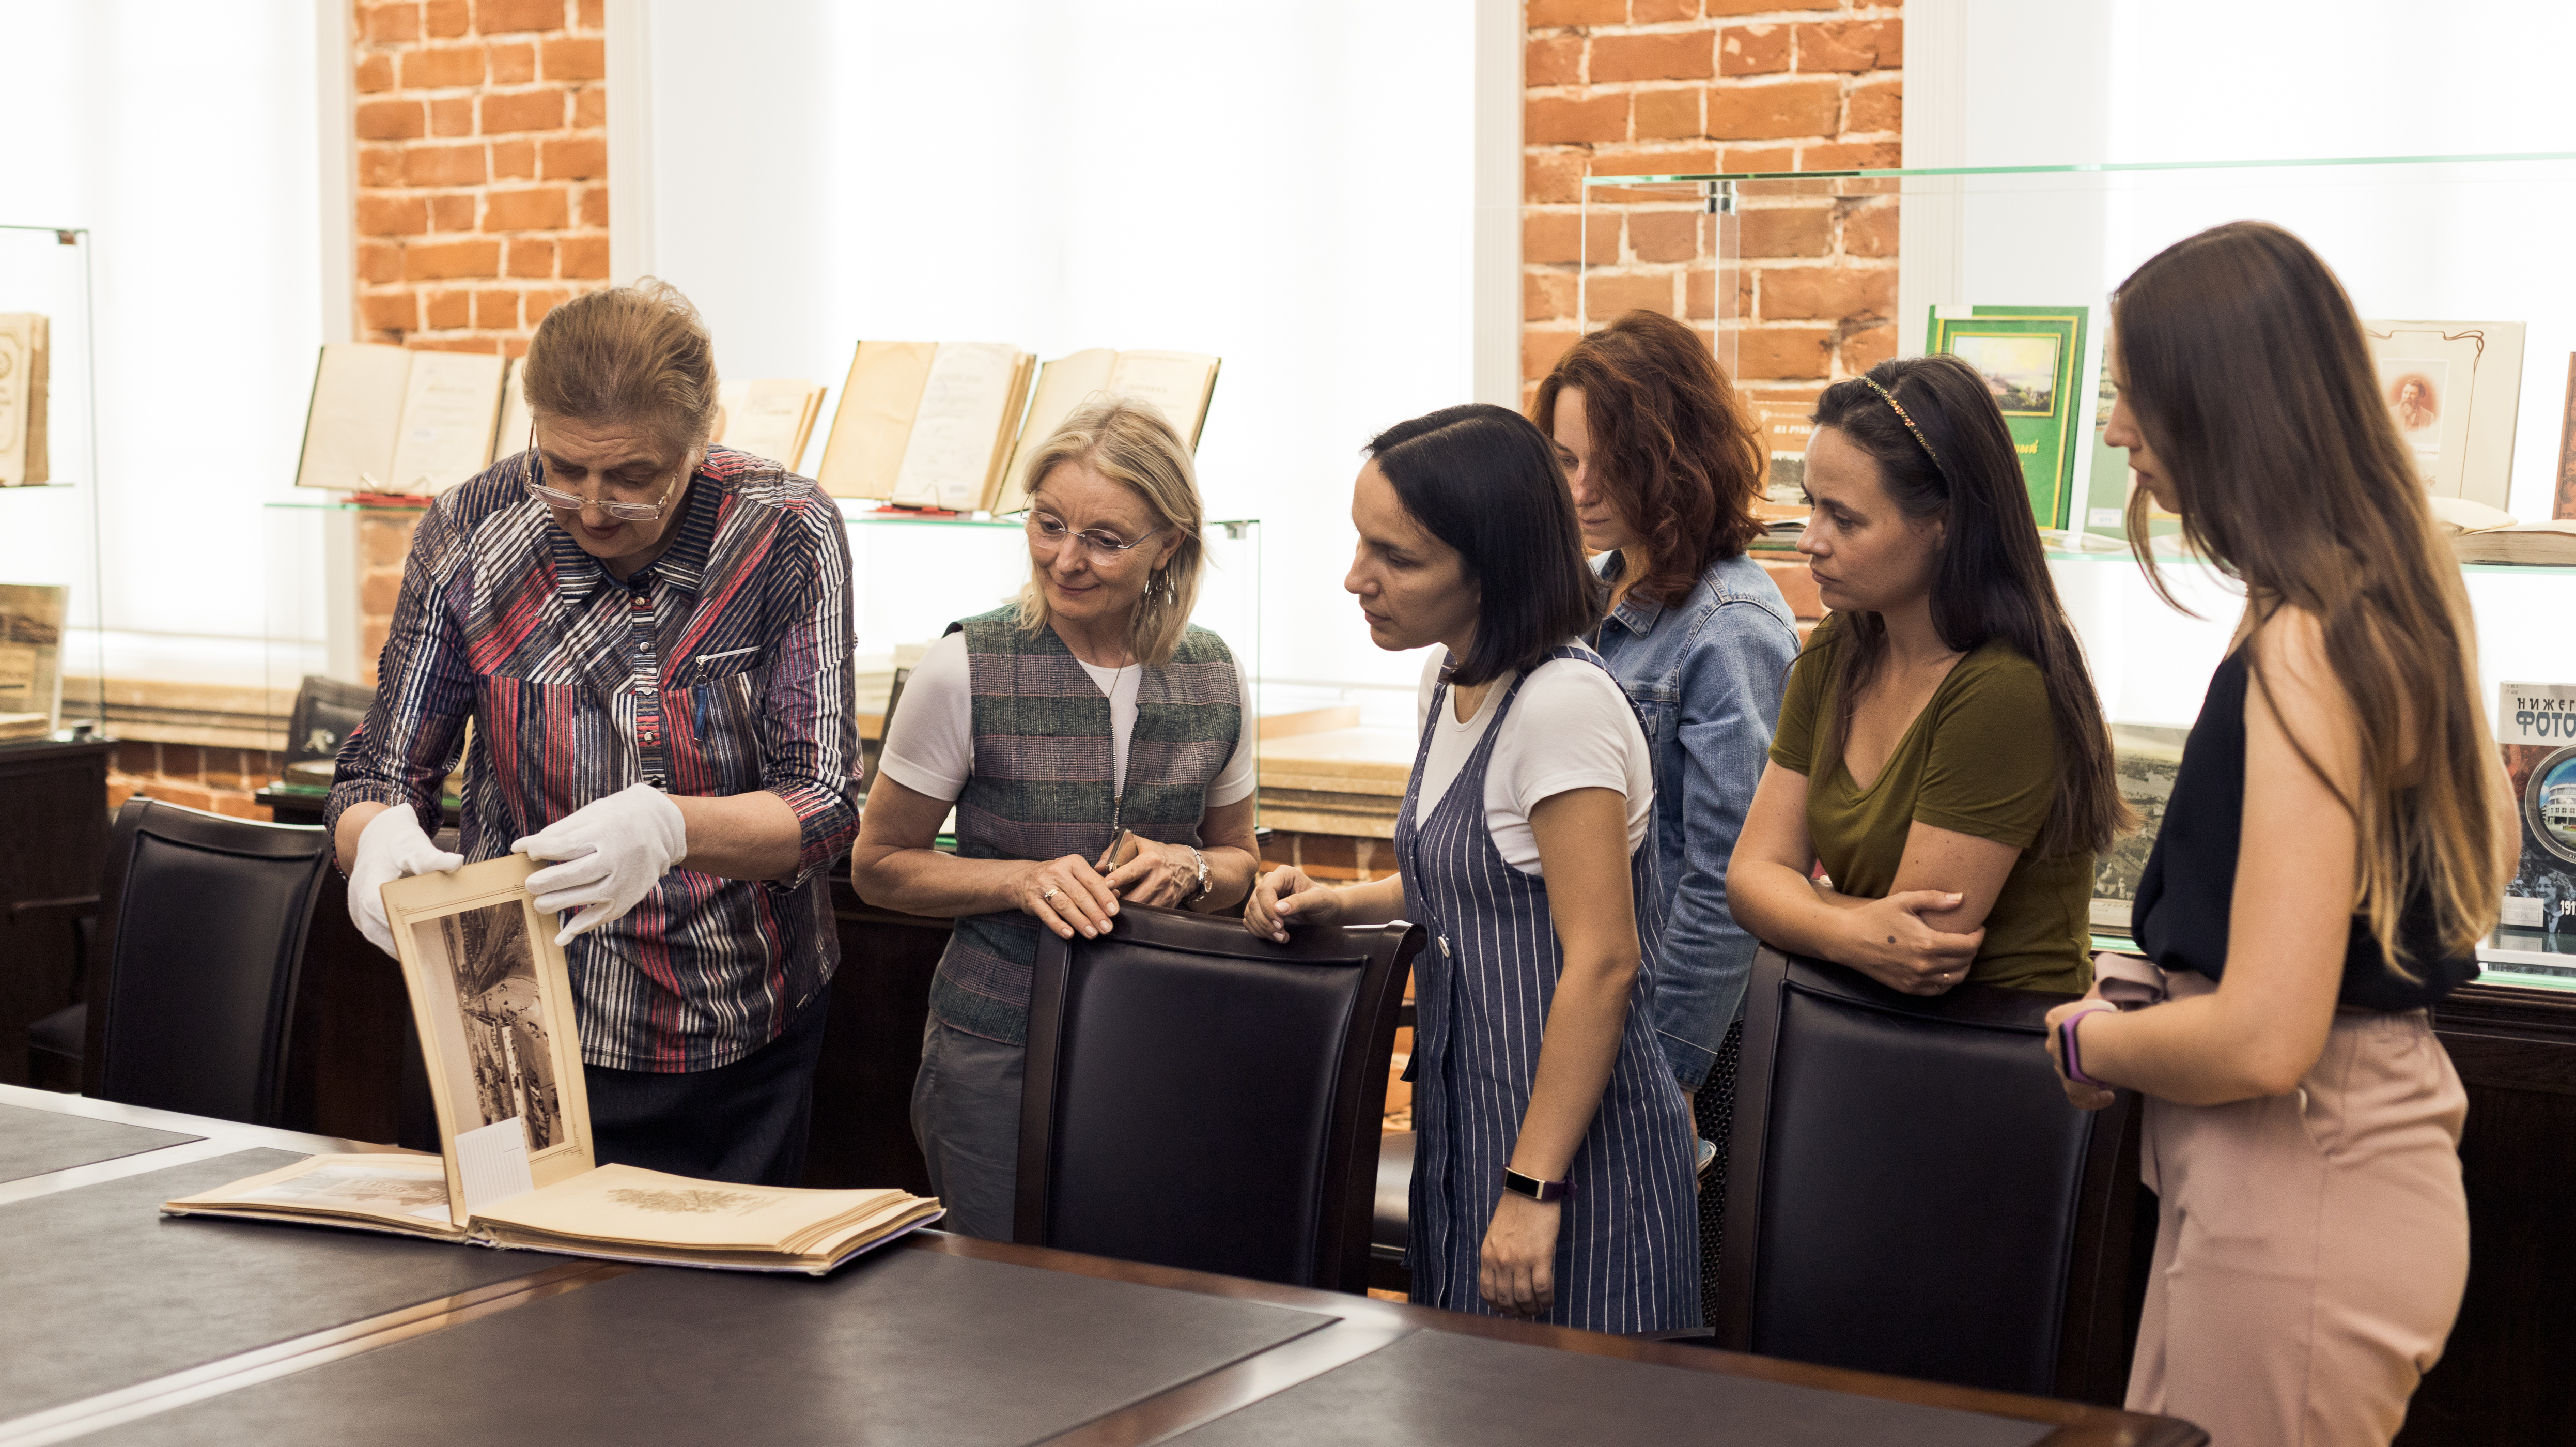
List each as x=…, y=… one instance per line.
x=391, y=847
x=614, y=851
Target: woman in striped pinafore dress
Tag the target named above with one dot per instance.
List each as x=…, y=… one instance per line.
x=1552, y=1177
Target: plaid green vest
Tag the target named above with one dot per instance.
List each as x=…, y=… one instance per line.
x=1041, y=786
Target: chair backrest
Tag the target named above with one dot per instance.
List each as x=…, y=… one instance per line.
x=1909, y=1192
x=1196, y=1097
x=201, y=934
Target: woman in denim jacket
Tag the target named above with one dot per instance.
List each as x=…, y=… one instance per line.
x=1665, y=466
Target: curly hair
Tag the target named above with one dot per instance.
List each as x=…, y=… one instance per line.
x=1673, y=447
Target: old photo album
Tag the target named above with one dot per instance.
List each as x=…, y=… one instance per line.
x=494, y=1006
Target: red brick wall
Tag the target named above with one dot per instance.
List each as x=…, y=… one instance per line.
x=1664, y=86
x=221, y=780
x=482, y=193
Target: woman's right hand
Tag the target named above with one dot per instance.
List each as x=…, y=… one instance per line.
x=1892, y=943
x=1285, y=897
x=1066, y=895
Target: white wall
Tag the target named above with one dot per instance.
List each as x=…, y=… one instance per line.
x=1289, y=188
x=2044, y=82
x=184, y=136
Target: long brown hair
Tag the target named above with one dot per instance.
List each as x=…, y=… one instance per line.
x=2245, y=366
x=1990, y=583
x=1671, y=444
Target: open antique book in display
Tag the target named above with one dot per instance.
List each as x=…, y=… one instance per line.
x=1178, y=383
x=391, y=420
x=24, y=367
x=771, y=418
x=494, y=1006
x=926, y=424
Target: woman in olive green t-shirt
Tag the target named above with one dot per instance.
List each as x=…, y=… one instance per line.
x=1941, y=752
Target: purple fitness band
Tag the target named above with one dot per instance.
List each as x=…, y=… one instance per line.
x=2066, y=1047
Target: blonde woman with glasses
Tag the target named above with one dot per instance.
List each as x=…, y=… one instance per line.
x=1097, y=750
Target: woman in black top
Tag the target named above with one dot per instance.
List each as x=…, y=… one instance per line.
x=2335, y=846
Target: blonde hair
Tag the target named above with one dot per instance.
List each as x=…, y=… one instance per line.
x=1131, y=443
x=636, y=354
x=2245, y=363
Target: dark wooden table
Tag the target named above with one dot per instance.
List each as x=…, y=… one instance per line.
x=258, y=1331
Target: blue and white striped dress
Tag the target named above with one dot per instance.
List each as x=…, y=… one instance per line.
x=1627, y=1248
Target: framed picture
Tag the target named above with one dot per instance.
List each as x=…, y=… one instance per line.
x=2452, y=390
x=2030, y=358
x=497, y=1029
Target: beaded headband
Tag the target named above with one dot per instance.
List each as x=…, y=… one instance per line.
x=1907, y=418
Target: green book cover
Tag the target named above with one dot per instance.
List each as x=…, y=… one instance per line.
x=2030, y=357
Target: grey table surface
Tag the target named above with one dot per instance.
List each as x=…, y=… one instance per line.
x=104, y=1292
x=1437, y=1388
x=898, y=1348
x=33, y=1142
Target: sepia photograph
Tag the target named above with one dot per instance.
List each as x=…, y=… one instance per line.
x=2020, y=369
x=506, y=1060
x=2414, y=388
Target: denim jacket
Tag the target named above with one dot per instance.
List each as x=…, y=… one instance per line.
x=1706, y=678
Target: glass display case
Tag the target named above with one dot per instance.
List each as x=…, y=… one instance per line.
x=52, y=642
x=1800, y=278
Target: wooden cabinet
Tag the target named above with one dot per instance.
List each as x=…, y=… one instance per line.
x=53, y=845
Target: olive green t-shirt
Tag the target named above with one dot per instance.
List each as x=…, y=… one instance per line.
x=1980, y=759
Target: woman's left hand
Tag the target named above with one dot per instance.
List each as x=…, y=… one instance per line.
x=2082, y=1096
x=1517, y=1272
x=1156, y=873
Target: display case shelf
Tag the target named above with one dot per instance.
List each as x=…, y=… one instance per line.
x=50, y=532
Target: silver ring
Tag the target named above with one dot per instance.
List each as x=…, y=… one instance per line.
x=1052, y=892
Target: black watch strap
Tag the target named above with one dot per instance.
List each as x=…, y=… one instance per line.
x=1534, y=1188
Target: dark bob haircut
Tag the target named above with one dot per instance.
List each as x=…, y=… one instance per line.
x=1484, y=480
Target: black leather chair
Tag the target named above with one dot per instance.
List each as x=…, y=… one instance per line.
x=1199, y=1098
x=1909, y=1192
x=200, y=936
x=1391, y=1224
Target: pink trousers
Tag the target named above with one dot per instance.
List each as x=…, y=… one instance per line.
x=2311, y=1247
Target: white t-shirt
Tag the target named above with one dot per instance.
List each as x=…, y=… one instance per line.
x=1571, y=728
x=931, y=748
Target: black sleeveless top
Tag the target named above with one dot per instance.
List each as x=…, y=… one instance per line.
x=2184, y=896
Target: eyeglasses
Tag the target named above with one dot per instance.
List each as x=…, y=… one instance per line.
x=634, y=512
x=1047, y=535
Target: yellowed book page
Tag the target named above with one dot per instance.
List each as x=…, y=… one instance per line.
x=1063, y=384
x=954, y=434
x=512, y=437
x=1007, y=434
x=813, y=410
x=356, y=409
x=864, y=449
x=493, y=1004
x=768, y=420
x=451, y=403
x=729, y=397
x=631, y=1204
x=1180, y=383
x=407, y=1192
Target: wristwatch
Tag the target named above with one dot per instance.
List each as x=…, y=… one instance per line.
x=1201, y=892
x=1534, y=1188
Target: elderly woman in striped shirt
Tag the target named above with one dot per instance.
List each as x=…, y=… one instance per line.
x=1096, y=748
x=1553, y=1176
x=651, y=637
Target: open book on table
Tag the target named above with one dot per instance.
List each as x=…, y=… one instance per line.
x=515, y=1169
